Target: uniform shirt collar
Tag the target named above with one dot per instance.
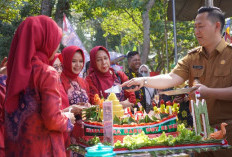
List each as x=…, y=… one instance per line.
x=202, y=51
x=221, y=46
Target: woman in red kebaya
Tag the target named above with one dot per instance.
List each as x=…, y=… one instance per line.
x=2, y=98
x=76, y=88
x=34, y=122
x=102, y=76
x=57, y=63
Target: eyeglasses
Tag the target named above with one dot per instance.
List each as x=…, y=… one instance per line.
x=58, y=67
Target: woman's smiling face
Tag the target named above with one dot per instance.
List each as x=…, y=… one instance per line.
x=77, y=63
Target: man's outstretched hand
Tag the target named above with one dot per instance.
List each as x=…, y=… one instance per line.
x=138, y=82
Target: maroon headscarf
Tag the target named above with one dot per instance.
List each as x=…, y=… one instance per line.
x=36, y=38
x=67, y=54
x=102, y=81
x=57, y=55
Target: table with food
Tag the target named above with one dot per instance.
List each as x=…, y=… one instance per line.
x=136, y=133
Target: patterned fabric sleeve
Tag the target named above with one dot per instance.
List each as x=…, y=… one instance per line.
x=70, y=126
x=84, y=85
x=129, y=95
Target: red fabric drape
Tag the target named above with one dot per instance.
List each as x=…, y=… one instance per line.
x=101, y=80
x=57, y=55
x=64, y=97
x=35, y=36
x=2, y=98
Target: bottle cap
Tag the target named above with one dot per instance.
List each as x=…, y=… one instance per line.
x=100, y=150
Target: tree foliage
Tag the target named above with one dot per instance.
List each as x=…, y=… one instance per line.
x=12, y=13
x=120, y=22
x=10, y=10
x=115, y=24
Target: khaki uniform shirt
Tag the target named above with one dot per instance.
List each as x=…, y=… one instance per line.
x=214, y=72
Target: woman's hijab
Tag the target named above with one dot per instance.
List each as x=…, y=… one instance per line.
x=57, y=56
x=67, y=54
x=102, y=81
x=36, y=38
x=143, y=73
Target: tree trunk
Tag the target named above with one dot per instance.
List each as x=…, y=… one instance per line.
x=146, y=32
x=46, y=7
x=61, y=7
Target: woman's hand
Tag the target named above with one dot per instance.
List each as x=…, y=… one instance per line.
x=84, y=104
x=75, y=109
x=70, y=116
x=3, y=68
x=126, y=103
x=87, y=105
x=138, y=81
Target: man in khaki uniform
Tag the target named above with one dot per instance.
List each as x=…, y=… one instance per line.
x=210, y=64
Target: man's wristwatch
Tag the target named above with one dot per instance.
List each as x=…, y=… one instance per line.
x=144, y=81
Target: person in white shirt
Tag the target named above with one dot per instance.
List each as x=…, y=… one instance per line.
x=149, y=92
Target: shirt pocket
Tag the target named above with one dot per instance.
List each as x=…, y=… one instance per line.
x=223, y=76
x=197, y=73
x=222, y=71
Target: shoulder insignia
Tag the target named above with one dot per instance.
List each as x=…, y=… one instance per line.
x=194, y=49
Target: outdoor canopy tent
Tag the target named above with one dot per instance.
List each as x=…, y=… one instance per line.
x=186, y=9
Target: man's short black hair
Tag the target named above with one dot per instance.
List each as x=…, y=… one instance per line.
x=131, y=54
x=214, y=14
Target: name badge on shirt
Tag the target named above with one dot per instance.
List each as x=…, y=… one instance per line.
x=197, y=67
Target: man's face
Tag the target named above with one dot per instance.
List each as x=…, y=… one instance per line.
x=205, y=30
x=134, y=63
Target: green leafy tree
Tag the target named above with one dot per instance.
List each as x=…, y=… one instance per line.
x=12, y=13
x=6, y=34
x=10, y=10
x=105, y=11
x=116, y=24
